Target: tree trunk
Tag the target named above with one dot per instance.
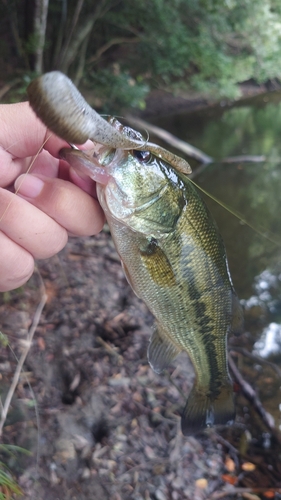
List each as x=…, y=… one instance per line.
x=64, y=47
x=80, y=34
x=81, y=63
x=55, y=57
x=40, y=23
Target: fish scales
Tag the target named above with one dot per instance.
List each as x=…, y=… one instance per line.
x=168, y=242
x=183, y=277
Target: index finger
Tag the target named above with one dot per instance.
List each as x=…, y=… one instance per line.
x=22, y=133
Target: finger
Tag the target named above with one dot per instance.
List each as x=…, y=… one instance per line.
x=21, y=136
x=29, y=227
x=22, y=133
x=45, y=164
x=16, y=264
x=65, y=202
x=84, y=183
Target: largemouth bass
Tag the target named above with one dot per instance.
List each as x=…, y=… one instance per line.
x=172, y=255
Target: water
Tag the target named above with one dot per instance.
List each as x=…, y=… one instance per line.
x=252, y=127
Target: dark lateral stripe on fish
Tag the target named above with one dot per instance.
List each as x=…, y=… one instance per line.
x=206, y=328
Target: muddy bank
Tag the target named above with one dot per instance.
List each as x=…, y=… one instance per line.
x=161, y=103
x=98, y=422
x=108, y=427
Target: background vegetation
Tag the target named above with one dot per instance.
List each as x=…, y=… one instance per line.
x=124, y=48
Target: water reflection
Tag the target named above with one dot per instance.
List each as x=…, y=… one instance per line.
x=270, y=342
x=253, y=191
x=250, y=127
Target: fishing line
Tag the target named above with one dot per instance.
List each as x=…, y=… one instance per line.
x=262, y=232
x=25, y=174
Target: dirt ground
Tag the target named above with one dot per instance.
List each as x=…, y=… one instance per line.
x=104, y=425
x=108, y=427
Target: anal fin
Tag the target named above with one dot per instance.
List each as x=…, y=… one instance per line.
x=161, y=351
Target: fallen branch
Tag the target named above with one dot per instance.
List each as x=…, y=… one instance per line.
x=256, y=358
x=232, y=450
x=238, y=491
x=171, y=139
x=189, y=150
x=243, y=158
x=5, y=407
x=108, y=348
x=251, y=395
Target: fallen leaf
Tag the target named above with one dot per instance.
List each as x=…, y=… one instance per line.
x=229, y=479
x=229, y=464
x=41, y=343
x=250, y=496
x=201, y=483
x=51, y=290
x=137, y=397
x=248, y=466
x=149, y=452
x=269, y=494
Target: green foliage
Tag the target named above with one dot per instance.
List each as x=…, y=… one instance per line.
x=3, y=340
x=117, y=89
x=8, y=485
x=207, y=45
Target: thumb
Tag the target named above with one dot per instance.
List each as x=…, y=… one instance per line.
x=66, y=203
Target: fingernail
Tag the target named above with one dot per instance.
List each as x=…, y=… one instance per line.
x=28, y=185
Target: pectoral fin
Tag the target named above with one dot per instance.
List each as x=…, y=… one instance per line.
x=161, y=351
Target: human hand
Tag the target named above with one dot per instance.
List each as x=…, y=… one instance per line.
x=51, y=202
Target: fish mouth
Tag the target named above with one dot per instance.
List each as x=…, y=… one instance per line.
x=111, y=160
x=88, y=162
x=99, y=164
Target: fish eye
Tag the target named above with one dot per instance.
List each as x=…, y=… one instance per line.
x=143, y=156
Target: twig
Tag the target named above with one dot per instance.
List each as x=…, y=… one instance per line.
x=232, y=450
x=188, y=149
x=109, y=44
x=256, y=358
x=108, y=348
x=238, y=491
x=244, y=159
x=171, y=139
x=24, y=354
x=175, y=385
x=149, y=411
x=251, y=395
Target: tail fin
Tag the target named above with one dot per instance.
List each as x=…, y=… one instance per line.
x=202, y=410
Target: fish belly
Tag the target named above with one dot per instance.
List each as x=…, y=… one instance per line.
x=191, y=302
